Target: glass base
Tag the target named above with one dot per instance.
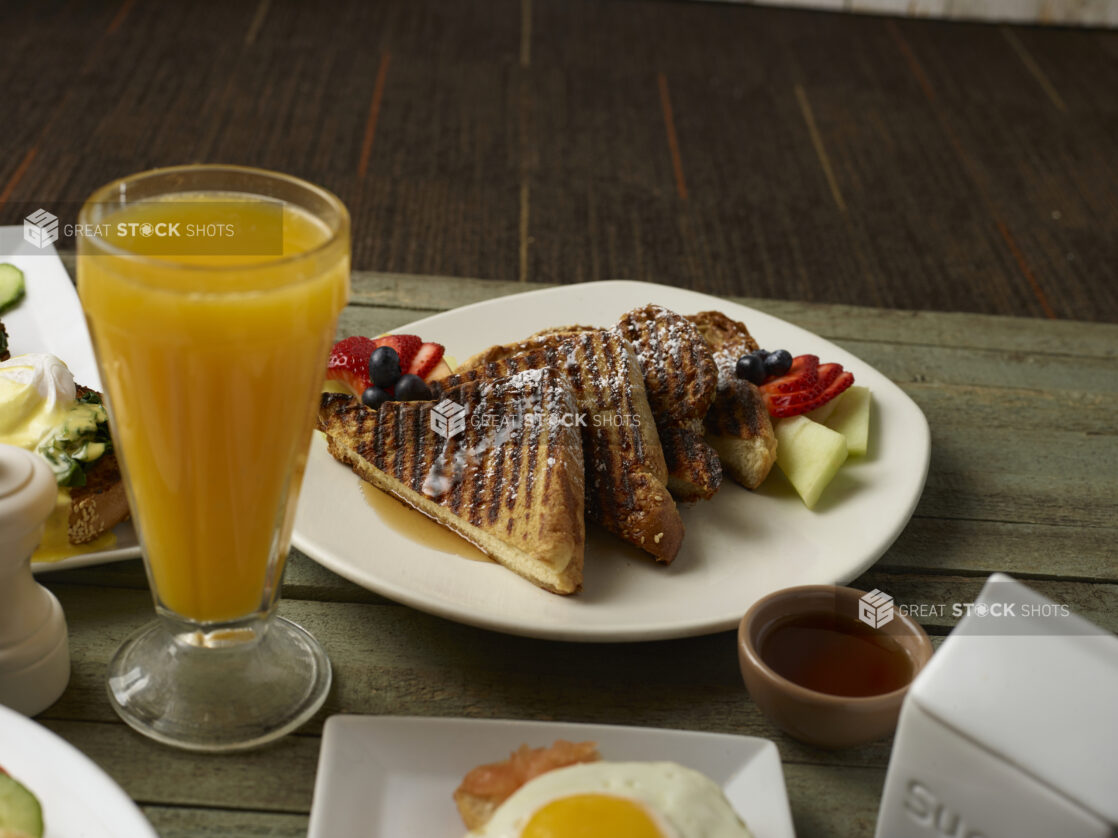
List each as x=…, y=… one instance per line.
x=222, y=688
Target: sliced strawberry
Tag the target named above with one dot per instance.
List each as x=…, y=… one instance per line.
x=802, y=374
x=405, y=345
x=349, y=363
x=793, y=404
x=425, y=361
x=827, y=374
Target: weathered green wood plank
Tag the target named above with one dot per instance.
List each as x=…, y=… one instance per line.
x=957, y=408
x=1029, y=477
x=833, y=804
x=175, y=822
x=956, y=545
x=950, y=365
x=276, y=778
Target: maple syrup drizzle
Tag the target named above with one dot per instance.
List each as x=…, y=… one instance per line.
x=418, y=527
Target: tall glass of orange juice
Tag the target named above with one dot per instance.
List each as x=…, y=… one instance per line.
x=212, y=294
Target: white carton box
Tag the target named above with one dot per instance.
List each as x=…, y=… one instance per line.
x=1011, y=729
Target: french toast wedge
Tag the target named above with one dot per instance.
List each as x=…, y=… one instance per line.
x=682, y=379
x=499, y=474
x=626, y=476
x=738, y=425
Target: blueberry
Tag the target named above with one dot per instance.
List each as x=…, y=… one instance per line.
x=763, y=353
x=778, y=363
x=412, y=388
x=374, y=397
x=751, y=368
x=384, y=366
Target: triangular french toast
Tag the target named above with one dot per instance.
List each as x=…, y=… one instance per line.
x=485, y=460
x=681, y=379
x=626, y=476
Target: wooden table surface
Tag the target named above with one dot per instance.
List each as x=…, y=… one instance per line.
x=1023, y=479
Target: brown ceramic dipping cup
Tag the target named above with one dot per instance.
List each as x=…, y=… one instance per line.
x=819, y=718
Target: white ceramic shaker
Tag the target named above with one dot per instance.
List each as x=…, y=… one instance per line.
x=34, y=647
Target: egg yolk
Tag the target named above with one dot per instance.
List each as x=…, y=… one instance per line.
x=591, y=816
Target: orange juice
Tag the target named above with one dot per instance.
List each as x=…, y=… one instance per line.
x=212, y=364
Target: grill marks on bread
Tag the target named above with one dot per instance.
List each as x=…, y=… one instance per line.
x=679, y=370
x=508, y=482
x=682, y=379
x=626, y=474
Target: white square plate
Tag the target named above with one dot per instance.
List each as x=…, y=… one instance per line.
x=50, y=319
x=738, y=546
x=394, y=776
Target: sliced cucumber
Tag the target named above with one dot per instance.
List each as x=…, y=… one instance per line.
x=20, y=812
x=11, y=286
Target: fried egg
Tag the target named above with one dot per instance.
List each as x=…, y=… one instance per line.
x=613, y=799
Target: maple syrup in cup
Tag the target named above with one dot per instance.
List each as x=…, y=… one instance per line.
x=820, y=672
x=212, y=295
x=836, y=654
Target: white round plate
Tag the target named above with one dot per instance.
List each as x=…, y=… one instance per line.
x=738, y=546
x=79, y=800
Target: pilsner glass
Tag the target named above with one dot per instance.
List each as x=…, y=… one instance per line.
x=212, y=294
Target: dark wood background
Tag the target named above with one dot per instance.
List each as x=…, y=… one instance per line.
x=732, y=149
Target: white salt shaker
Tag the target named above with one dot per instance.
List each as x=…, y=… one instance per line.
x=1011, y=728
x=34, y=648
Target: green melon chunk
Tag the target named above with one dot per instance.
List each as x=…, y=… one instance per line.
x=851, y=418
x=809, y=454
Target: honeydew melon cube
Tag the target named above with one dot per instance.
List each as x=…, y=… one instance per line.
x=851, y=418
x=809, y=454
x=822, y=413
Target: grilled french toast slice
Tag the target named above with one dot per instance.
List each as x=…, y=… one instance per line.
x=678, y=364
x=738, y=424
x=626, y=476
x=682, y=379
x=505, y=479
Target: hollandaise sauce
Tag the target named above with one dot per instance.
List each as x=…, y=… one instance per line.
x=55, y=544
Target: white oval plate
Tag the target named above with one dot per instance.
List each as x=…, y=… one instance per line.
x=79, y=800
x=395, y=775
x=738, y=546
